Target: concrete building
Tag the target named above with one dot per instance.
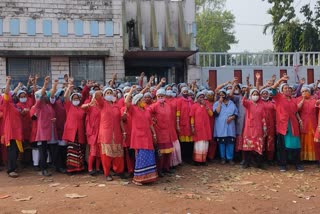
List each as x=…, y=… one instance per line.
x=92, y=39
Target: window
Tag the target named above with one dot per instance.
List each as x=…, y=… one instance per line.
x=87, y=69
x=1, y=26
x=31, y=27
x=94, y=28
x=63, y=27
x=14, y=27
x=78, y=27
x=47, y=27
x=21, y=68
x=109, y=28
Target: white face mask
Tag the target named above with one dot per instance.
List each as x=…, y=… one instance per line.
x=108, y=98
x=255, y=98
x=265, y=98
x=119, y=96
x=23, y=100
x=75, y=102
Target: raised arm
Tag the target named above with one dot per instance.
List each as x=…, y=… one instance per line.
x=127, y=100
x=162, y=81
x=113, y=80
x=276, y=84
x=45, y=85
x=54, y=88
x=7, y=88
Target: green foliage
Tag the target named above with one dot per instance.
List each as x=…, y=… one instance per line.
x=291, y=34
x=214, y=25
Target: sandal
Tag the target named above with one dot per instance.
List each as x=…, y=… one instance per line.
x=137, y=183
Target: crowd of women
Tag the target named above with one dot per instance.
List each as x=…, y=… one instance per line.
x=146, y=130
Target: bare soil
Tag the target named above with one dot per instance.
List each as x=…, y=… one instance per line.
x=192, y=189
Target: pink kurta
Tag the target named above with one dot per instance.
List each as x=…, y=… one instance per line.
x=74, y=124
x=141, y=137
x=60, y=111
x=92, y=123
x=109, y=129
x=286, y=110
x=253, y=126
x=34, y=125
x=308, y=114
x=163, y=125
x=25, y=120
x=45, y=115
x=173, y=104
x=270, y=116
x=201, y=123
x=127, y=126
x=184, y=106
x=12, y=123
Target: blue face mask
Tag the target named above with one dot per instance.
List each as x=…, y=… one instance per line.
x=108, y=98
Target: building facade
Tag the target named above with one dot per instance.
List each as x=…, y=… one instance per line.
x=89, y=39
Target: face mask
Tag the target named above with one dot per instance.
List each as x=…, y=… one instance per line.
x=307, y=95
x=142, y=104
x=23, y=100
x=236, y=92
x=160, y=100
x=185, y=95
x=109, y=98
x=265, y=98
x=255, y=98
x=75, y=102
x=119, y=96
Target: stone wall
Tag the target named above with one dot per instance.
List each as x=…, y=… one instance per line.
x=101, y=11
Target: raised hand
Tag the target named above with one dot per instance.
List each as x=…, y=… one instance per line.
x=8, y=78
x=258, y=76
x=163, y=80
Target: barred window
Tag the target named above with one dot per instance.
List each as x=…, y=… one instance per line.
x=87, y=69
x=21, y=68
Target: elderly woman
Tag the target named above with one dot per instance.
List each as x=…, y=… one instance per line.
x=161, y=113
x=270, y=116
x=287, y=125
x=225, y=113
x=74, y=131
x=255, y=128
x=110, y=133
x=307, y=111
x=184, y=104
x=142, y=137
x=200, y=123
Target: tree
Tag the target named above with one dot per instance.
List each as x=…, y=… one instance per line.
x=215, y=26
x=289, y=33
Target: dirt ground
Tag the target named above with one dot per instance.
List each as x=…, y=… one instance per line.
x=192, y=189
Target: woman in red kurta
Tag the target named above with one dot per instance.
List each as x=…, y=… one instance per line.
x=142, y=137
x=200, y=128
x=184, y=104
x=127, y=126
x=308, y=115
x=270, y=116
x=45, y=127
x=12, y=131
x=74, y=131
x=176, y=154
x=110, y=134
x=287, y=125
x=92, y=132
x=212, y=143
x=161, y=113
x=254, y=128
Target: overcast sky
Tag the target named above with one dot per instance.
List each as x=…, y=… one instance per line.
x=249, y=16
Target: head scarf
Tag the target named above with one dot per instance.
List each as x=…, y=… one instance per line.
x=20, y=92
x=253, y=90
x=199, y=94
x=161, y=91
x=136, y=98
x=79, y=95
x=107, y=89
x=281, y=87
